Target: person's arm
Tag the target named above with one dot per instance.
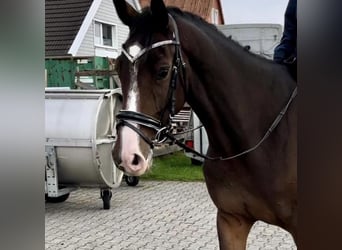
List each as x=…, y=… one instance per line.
x=288, y=43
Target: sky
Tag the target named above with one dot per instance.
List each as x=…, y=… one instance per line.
x=254, y=11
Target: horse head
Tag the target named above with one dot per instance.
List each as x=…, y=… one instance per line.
x=150, y=69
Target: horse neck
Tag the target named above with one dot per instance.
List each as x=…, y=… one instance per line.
x=234, y=93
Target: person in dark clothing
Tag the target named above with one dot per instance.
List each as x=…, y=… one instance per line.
x=288, y=44
x=286, y=51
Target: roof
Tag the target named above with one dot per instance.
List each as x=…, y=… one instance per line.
x=63, y=19
x=67, y=21
x=201, y=8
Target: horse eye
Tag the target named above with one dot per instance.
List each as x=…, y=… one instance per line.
x=163, y=72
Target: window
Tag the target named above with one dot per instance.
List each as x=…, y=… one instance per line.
x=214, y=16
x=105, y=34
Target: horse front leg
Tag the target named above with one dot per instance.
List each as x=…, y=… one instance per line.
x=232, y=231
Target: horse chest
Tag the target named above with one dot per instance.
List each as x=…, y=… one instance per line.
x=233, y=191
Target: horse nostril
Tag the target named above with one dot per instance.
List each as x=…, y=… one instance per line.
x=120, y=167
x=136, y=160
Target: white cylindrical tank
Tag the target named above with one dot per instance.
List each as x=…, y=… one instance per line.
x=80, y=125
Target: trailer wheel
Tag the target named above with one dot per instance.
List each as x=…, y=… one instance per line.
x=59, y=199
x=106, y=195
x=132, y=180
x=196, y=162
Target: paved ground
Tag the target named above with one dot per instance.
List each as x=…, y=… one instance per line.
x=152, y=215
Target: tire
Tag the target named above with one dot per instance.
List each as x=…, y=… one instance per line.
x=196, y=162
x=59, y=199
x=106, y=195
x=131, y=180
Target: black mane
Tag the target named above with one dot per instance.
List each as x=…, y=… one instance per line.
x=208, y=28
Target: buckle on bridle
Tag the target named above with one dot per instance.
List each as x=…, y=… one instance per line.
x=160, y=136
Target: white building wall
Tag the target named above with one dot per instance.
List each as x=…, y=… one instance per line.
x=87, y=46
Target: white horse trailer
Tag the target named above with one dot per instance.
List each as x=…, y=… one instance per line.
x=260, y=39
x=79, y=136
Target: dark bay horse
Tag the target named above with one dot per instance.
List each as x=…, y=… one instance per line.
x=171, y=57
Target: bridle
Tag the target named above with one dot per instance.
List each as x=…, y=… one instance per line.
x=127, y=118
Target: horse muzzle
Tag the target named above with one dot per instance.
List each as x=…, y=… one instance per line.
x=129, y=154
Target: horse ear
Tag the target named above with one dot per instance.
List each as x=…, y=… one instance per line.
x=125, y=12
x=160, y=14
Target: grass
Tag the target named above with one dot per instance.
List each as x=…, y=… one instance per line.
x=174, y=167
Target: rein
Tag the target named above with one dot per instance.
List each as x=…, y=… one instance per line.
x=267, y=134
x=133, y=118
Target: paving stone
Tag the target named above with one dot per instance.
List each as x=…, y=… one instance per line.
x=151, y=216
